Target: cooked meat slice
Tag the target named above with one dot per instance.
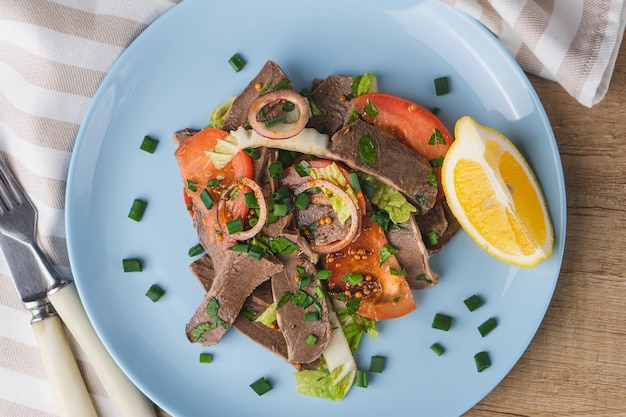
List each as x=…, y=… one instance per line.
x=433, y=221
x=329, y=96
x=317, y=233
x=270, y=75
x=255, y=304
x=237, y=277
x=453, y=227
x=412, y=254
x=291, y=316
x=395, y=163
x=183, y=135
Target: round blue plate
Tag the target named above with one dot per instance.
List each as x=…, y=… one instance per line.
x=171, y=77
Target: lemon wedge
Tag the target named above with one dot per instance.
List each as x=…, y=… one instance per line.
x=495, y=196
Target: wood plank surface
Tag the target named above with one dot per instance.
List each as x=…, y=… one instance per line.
x=576, y=364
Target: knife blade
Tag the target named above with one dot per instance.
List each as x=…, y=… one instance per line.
x=59, y=362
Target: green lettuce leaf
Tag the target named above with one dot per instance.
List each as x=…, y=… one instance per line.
x=388, y=199
x=321, y=383
x=268, y=317
x=218, y=115
x=333, y=174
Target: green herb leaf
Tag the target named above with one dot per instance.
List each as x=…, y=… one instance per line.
x=367, y=150
x=386, y=252
x=436, y=138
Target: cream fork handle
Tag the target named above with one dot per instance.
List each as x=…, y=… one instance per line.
x=129, y=401
x=67, y=382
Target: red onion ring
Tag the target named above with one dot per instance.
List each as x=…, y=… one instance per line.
x=262, y=210
x=355, y=217
x=279, y=95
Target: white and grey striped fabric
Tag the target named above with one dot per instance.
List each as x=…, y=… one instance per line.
x=55, y=53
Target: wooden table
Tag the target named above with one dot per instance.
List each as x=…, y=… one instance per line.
x=576, y=364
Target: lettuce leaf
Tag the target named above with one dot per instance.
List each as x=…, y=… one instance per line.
x=268, y=317
x=333, y=174
x=218, y=115
x=388, y=199
x=323, y=384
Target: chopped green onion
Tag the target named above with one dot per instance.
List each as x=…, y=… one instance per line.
x=352, y=278
x=397, y=272
x=473, y=302
x=323, y=274
x=240, y=247
x=288, y=106
x=435, y=110
x=207, y=200
x=237, y=62
x=386, y=252
x=280, y=209
x=302, y=201
x=311, y=340
x=482, y=361
x=442, y=86
x=284, y=299
x=248, y=313
x=304, y=281
x=192, y=186
x=206, y=358
x=377, y=363
x=252, y=152
x=132, y=265
x=274, y=122
x=361, y=378
x=311, y=317
x=299, y=298
x=431, y=238
x=284, y=83
x=148, y=144
x=256, y=252
x=155, y=292
x=487, y=326
x=354, y=181
x=234, y=226
x=436, y=138
x=431, y=178
x=195, y=250
x=303, y=168
x=442, y=322
x=261, y=386
x=437, y=348
x=215, y=182
x=276, y=170
x=137, y=209
x=283, y=245
x=436, y=162
x=250, y=199
x=319, y=291
x=370, y=109
x=367, y=150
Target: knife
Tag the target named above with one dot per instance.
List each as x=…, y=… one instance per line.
x=62, y=295
x=67, y=383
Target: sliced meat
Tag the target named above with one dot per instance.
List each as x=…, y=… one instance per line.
x=291, y=316
x=433, y=221
x=269, y=76
x=451, y=230
x=395, y=163
x=238, y=275
x=412, y=255
x=310, y=222
x=330, y=96
x=270, y=338
x=184, y=134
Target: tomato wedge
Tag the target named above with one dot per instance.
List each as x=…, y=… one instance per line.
x=409, y=122
x=197, y=170
x=383, y=290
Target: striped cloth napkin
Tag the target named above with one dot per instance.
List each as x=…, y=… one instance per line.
x=54, y=54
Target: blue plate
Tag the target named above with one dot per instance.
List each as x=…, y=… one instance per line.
x=171, y=77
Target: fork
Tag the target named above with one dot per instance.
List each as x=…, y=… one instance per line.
x=32, y=280
x=18, y=220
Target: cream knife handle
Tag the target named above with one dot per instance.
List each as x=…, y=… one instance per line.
x=58, y=359
x=129, y=401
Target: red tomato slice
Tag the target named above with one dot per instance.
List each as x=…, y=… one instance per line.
x=409, y=122
x=389, y=294
x=196, y=166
